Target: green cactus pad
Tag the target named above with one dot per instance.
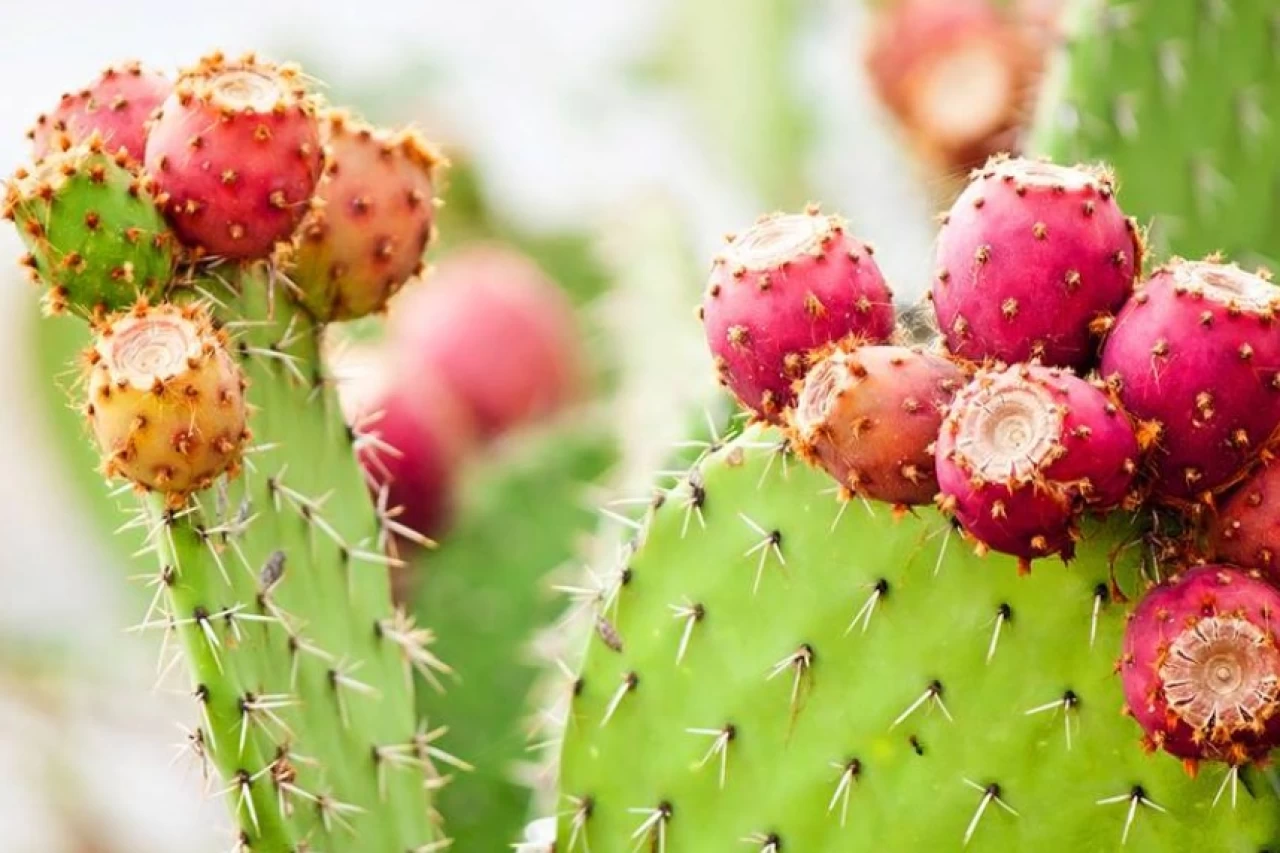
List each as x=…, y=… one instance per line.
x=1180, y=97
x=854, y=681
x=94, y=232
x=277, y=584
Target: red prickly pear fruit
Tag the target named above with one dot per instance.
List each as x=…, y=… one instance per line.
x=1201, y=669
x=956, y=74
x=116, y=106
x=166, y=400
x=374, y=218
x=869, y=415
x=496, y=331
x=1033, y=261
x=1246, y=529
x=1024, y=450
x=236, y=148
x=412, y=438
x=788, y=285
x=1195, y=354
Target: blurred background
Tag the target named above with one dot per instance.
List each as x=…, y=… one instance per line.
x=600, y=152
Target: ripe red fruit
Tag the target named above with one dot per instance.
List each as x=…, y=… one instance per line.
x=116, y=106
x=496, y=331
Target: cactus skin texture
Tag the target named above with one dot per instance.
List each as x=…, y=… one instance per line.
x=94, y=232
x=1029, y=256
x=1195, y=352
x=1179, y=97
x=788, y=285
x=166, y=400
x=869, y=415
x=1024, y=450
x=115, y=106
x=884, y=689
x=366, y=237
x=497, y=331
x=1201, y=668
x=237, y=150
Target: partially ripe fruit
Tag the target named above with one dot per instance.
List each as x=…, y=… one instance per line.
x=166, y=400
x=492, y=327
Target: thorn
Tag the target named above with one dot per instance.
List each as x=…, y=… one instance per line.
x=653, y=829
x=1100, y=596
x=801, y=661
x=692, y=614
x=719, y=747
x=770, y=543
x=878, y=591
x=1067, y=703
x=933, y=694
x=849, y=773
x=1135, y=798
x=1232, y=779
x=629, y=682
x=990, y=794
x=1003, y=614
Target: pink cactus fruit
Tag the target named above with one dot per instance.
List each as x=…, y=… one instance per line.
x=237, y=149
x=116, y=106
x=1025, y=450
x=412, y=437
x=1201, y=669
x=787, y=286
x=1246, y=529
x=1033, y=261
x=1196, y=354
x=869, y=415
x=365, y=238
x=955, y=73
x=497, y=332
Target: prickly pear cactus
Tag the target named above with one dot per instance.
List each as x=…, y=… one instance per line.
x=1180, y=98
x=808, y=674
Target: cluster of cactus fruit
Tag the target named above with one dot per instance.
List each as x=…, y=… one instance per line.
x=1068, y=406
x=207, y=229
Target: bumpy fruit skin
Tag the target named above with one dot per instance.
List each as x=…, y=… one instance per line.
x=166, y=400
x=414, y=436
x=237, y=149
x=1032, y=261
x=116, y=106
x=1024, y=450
x=374, y=218
x=869, y=415
x=955, y=73
x=788, y=285
x=1196, y=352
x=497, y=332
x=1201, y=669
x=94, y=229
x=1245, y=531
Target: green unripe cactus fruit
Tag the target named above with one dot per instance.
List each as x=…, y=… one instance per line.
x=93, y=228
x=814, y=675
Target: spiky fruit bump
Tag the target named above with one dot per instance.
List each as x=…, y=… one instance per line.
x=166, y=400
x=116, y=106
x=955, y=73
x=788, y=285
x=869, y=415
x=365, y=238
x=94, y=230
x=237, y=149
x=1201, y=669
x=1196, y=352
x=1245, y=531
x=496, y=331
x=1024, y=450
x=1033, y=259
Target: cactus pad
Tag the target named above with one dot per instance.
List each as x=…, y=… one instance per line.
x=801, y=674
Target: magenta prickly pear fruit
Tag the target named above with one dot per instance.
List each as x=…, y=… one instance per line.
x=1201, y=669
x=413, y=437
x=1024, y=450
x=495, y=330
x=367, y=235
x=1033, y=261
x=1196, y=353
x=1246, y=529
x=116, y=106
x=237, y=149
x=869, y=415
x=787, y=286
x=166, y=400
